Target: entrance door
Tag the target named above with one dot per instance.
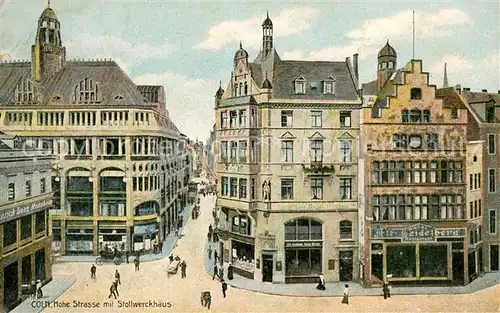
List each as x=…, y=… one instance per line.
x=267, y=268
x=458, y=268
x=345, y=265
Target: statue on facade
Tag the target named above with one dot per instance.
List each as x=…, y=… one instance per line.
x=266, y=190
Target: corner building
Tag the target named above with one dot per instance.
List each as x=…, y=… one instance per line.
x=286, y=162
x=25, y=201
x=121, y=173
x=412, y=165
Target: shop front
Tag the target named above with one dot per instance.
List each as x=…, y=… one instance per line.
x=112, y=237
x=79, y=238
x=418, y=254
x=144, y=236
x=242, y=256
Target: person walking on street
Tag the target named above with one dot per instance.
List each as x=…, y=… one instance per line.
x=386, y=290
x=345, y=300
x=216, y=256
x=117, y=277
x=224, y=287
x=116, y=287
x=127, y=254
x=208, y=300
x=183, y=269
x=39, y=292
x=230, y=272
x=321, y=283
x=209, y=237
x=209, y=252
x=136, y=263
x=215, y=272
x=112, y=291
x=160, y=247
x=93, y=271
x=221, y=273
x=33, y=289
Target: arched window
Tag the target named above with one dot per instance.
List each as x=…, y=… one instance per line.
x=246, y=88
x=86, y=92
x=345, y=229
x=25, y=93
x=147, y=208
x=240, y=92
x=303, y=229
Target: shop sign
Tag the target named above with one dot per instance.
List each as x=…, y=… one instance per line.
x=302, y=244
x=382, y=232
x=419, y=232
x=451, y=232
x=23, y=210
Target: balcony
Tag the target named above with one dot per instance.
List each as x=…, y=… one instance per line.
x=317, y=167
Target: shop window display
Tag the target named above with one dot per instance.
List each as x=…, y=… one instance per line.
x=303, y=262
x=401, y=261
x=433, y=261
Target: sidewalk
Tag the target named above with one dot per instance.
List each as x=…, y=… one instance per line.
x=168, y=245
x=51, y=291
x=336, y=289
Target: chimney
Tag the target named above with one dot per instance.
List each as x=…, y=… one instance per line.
x=458, y=88
x=466, y=89
x=484, y=90
x=355, y=65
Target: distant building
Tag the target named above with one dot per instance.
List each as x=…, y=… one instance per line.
x=413, y=215
x=119, y=178
x=25, y=200
x=286, y=163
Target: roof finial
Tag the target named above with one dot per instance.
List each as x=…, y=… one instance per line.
x=267, y=13
x=220, y=83
x=445, y=77
x=48, y=3
x=241, y=46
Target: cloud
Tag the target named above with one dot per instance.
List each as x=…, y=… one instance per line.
x=369, y=38
x=455, y=64
x=189, y=101
x=126, y=53
x=288, y=22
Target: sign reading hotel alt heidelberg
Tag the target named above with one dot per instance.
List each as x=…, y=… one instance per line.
x=24, y=209
x=417, y=232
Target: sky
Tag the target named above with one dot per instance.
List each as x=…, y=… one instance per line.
x=188, y=46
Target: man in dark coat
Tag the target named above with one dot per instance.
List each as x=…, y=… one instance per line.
x=112, y=291
x=215, y=272
x=230, y=272
x=183, y=269
x=224, y=287
x=127, y=254
x=136, y=263
x=115, y=283
x=117, y=277
x=209, y=252
x=33, y=289
x=93, y=271
x=221, y=273
x=216, y=256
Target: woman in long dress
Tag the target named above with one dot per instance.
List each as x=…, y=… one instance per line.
x=230, y=272
x=321, y=283
x=346, y=295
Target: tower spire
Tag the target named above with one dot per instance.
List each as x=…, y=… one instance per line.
x=48, y=3
x=445, y=77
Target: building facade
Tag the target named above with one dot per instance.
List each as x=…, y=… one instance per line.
x=484, y=126
x=121, y=173
x=286, y=164
x=25, y=201
x=413, y=215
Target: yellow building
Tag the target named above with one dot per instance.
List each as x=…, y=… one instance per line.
x=122, y=169
x=413, y=216
x=25, y=200
x=286, y=164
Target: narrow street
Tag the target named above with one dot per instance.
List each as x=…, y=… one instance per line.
x=152, y=283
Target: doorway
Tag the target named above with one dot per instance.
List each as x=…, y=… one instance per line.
x=267, y=268
x=458, y=268
x=10, y=285
x=345, y=265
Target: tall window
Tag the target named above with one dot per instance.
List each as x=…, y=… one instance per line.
x=243, y=118
x=345, y=229
x=404, y=116
x=43, y=187
x=233, y=151
x=490, y=114
x=345, y=151
x=233, y=119
x=241, y=224
x=345, y=118
x=492, y=180
x=223, y=150
x=86, y=92
x=225, y=186
x=416, y=93
x=243, y=151
x=493, y=222
x=317, y=188
x=316, y=118
x=27, y=188
x=287, y=151
x=287, y=189
x=253, y=118
x=454, y=112
x=233, y=187
x=11, y=191
x=316, y=150
x=303, y=229
x=243, y=188
x=300, y=86
x=345, y=188
x=223, y=119
x=286, y=118
x=491, y=144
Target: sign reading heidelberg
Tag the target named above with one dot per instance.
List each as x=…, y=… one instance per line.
x=24, y=209
x=417, y=232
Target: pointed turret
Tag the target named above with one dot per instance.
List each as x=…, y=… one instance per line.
x=267, y=37
x=387, y=58
x=48, y=54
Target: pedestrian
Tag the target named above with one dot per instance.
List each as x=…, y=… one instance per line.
x=210, y=229
x=221, y=273
x=208, y=300
x=117, y=277
x=224, y=287
x=209, y=252
x=136, y=263
x=230, y=272
x=215, y=237
x=209, y=236
x=112, y=291
x=171, y=258
x=345, y=300
x=33, y=289
x=93, y=271
x=215, y=272
x=115, y=283
x=321, y=283
x=39, y=292
x=386, y=289
x=183, y=269
x=160, y=246
x=127, y=254
x=216, y=256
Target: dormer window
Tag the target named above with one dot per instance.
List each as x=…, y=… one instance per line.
x=86, y=92
x=118, y=98
x=300, y=85
x=25, y=93
x=416, y=94
x=56, y=98
x=329, y=86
